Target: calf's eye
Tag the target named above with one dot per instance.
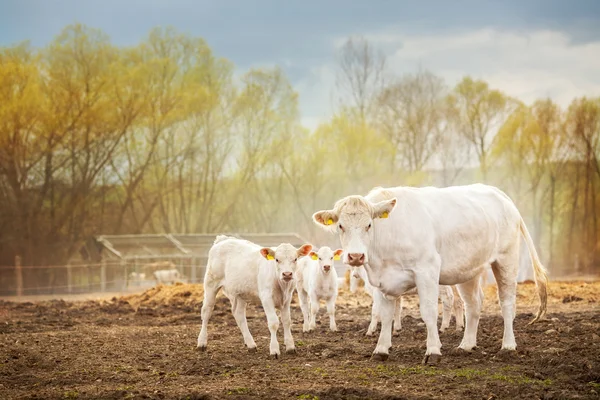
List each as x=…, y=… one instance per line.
x=341, y=227
x=277, y=259
x=369, y=227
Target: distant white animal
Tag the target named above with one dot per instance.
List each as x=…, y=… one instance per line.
x=449, y=302
x=248, y=272
x=137, y=278
x=149, y=269
x=317, y=280
x=410, y=237
x=167, y=276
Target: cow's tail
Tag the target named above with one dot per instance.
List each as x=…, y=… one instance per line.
x=541, y=275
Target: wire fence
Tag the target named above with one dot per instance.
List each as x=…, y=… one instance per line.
x=107, y=276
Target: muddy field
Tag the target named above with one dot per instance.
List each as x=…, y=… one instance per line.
x=143, y=347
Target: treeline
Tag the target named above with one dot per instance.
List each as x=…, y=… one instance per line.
x=166, y=136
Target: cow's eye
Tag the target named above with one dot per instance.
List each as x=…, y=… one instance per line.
x=277, y=260
x=295, y=260
x=369, y=227
x=320, y=259
x=341, y=227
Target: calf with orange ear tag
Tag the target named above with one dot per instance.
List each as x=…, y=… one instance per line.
x=317, y=280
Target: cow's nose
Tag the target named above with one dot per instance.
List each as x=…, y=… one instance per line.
x=356, y=259
x=287, y=276
x=326, y=268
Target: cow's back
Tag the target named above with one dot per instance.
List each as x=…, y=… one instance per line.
x=466, y=225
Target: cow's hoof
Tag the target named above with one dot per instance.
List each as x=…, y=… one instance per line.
x=379, y=356
x=201, y=348
x=274, y=356
x=369, y=333
x=290, y=351
x=432, y=359
x=252, y=349
x=396, y=333
x=459, y=351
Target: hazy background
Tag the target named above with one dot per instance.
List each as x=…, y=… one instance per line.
x=192, y=116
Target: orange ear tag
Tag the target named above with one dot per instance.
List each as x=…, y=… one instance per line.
x=336, y=257
x=329, y=221
x=314, y=257
x=270, y=257
x=385, y=214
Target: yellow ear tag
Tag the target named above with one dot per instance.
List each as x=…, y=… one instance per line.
x=270, y=257
x=336, y=257
x=314, y=257
x=384, y=214
x=329, y=221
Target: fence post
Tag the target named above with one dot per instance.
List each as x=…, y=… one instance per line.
x=69, y=279
x=193, y=270
x=19, y=275
x=103, y=276
x=125, y=275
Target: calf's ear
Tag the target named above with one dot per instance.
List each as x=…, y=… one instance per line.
x=267, y=253
x=384, y=208
x=325, y=219
x=313, y=255
x=337, y=254
x=304, y=250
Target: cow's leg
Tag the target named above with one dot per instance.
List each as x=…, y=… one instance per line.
x=305, y=307
x=386, y=314
x=286, y=319
x=505, y=271
x=375, y=312
x=314, y=309
x=331, y=312
x=472, y=294
x=210, y=295
x=428, y=290
x=397, y=316
x=273, y=322
x=447, y=302
x=238, y=307
x=459, y=311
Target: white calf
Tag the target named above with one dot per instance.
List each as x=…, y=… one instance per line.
x=317, y=280
x=246, y=272
x=449, y=302
x=167, y=276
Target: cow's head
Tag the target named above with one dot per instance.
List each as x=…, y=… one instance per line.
x=325, y=256
x=353, y=217
x=285, y=257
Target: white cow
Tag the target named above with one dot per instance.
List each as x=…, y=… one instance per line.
x=317, y=280
x=449, y=302
x=246, y=272
x=167, y=276
x=410, y=237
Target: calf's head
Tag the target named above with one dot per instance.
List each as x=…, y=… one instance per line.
x=325, y=256
x=352, y=218
x=285, y=257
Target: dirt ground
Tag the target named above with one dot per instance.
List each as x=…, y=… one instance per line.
x=143, y=347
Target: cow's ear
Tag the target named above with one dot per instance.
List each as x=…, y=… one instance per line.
x=383, y=208
x=267, y=253
x=304, y=250
x=337, y=254
x=313, y=255
x=326, y=219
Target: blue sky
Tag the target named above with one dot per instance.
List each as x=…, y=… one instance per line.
x=528, y=48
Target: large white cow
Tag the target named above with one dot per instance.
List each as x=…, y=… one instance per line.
x=450, y=302
x=410, y=237
x=248, y=272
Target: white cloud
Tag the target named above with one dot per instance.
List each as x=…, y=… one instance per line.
x=526, y=65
